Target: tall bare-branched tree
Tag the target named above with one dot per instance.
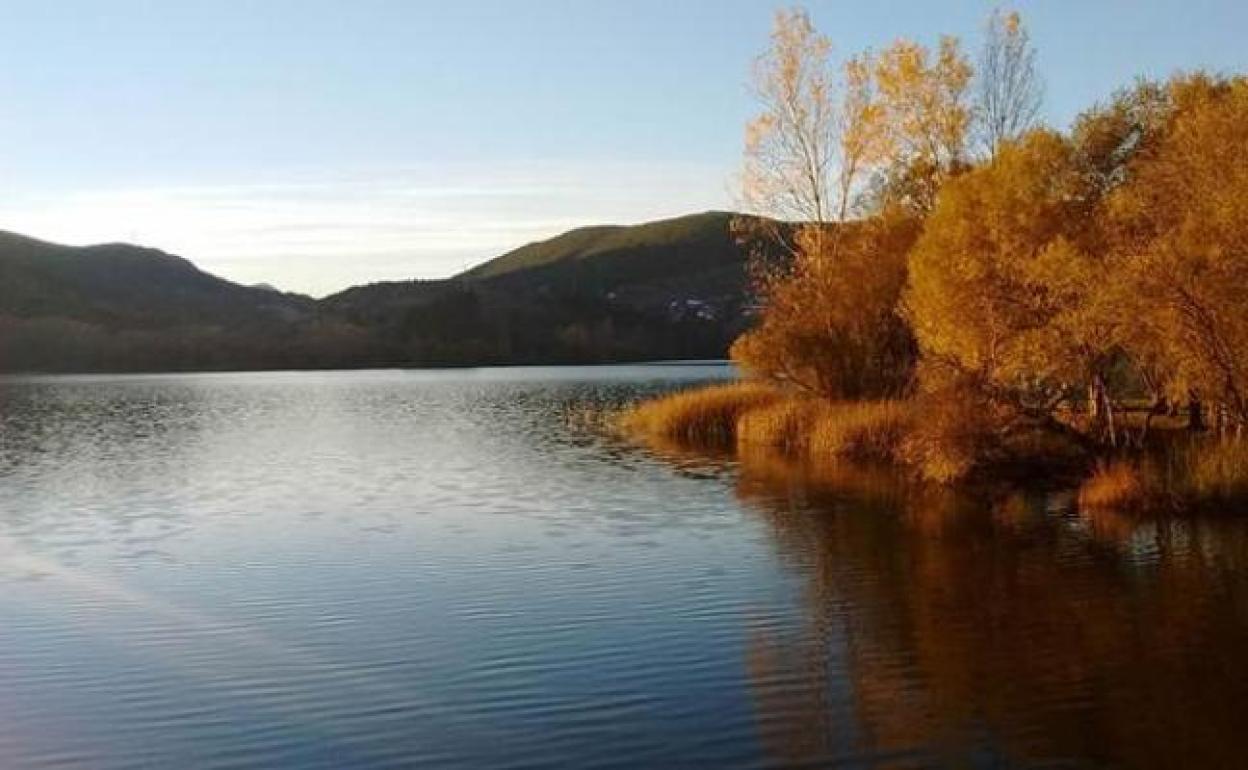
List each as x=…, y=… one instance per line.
x=817, y=134
x=1011, y=93
x=789, y=145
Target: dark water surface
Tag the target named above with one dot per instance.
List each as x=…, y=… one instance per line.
x=456, y=569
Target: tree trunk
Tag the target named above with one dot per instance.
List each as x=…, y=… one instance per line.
x=1110, y=428
x=1160, y=407
x=1195, y=413
x=1103, y=416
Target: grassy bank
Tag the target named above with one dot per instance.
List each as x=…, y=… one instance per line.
x=945, y=442
x=940, y=441
x=1203, y=474
x=744, y=415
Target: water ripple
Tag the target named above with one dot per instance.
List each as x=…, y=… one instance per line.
x=450, y=569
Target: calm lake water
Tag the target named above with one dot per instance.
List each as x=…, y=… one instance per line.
x=456, y=569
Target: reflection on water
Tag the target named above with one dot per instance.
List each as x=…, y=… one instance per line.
x=458, y=569
x=998, y=632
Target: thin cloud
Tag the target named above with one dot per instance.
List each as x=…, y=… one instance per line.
x=320, y=235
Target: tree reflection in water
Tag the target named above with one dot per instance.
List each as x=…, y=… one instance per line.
x=1005, y=629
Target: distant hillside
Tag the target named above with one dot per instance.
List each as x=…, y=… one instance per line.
x=626, y=252
x=669, y=289
x=127, y=286
x=121, y=307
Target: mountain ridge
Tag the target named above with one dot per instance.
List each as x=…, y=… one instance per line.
x=670, y=288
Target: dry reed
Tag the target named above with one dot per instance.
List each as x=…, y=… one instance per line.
x=703, y=417
x=1117, y=485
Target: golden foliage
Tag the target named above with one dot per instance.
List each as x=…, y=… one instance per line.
x=1181, y=222
x=927, y=113
x=790, y=145
x=978, y=295
x=903, y=115
x=955, y=432
x=1109, y=265
x=831, y=324
x=924, y=99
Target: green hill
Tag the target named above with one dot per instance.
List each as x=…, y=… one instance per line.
x=669, y=289
x=623, y=252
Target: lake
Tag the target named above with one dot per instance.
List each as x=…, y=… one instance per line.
x=460, y=569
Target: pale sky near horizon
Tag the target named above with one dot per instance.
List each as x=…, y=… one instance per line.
x=316, y=144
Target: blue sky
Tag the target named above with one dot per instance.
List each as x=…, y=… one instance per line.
x=316, y=144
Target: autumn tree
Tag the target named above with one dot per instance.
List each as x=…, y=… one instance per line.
x=1109, y=137
x=1041, y=281
x=832, y=326
x=816, y=134
x=829, y=322
x=1010, y=92
x=925, y=111
x=997, y=266
x=903, y=115
x=1181, y=224
x=1107, y=141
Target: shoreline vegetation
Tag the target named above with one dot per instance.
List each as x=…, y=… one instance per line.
x=1176, y=472
x=972, y=296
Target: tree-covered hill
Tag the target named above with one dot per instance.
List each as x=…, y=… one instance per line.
x=120, y=285
x=669, y=289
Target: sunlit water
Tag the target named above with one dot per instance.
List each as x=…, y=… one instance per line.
x=458, y=569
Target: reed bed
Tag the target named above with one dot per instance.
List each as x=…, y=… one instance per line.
x=1212, y=474
x=862, y=430
x=1207, y=475
x=755, y=415
x=1118, y=485
x=704, y=417
x=938, y=442
x=783, y=425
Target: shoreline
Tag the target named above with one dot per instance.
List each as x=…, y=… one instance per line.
x=1194, y=475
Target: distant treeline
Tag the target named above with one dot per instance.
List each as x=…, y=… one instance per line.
x=469, y=339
